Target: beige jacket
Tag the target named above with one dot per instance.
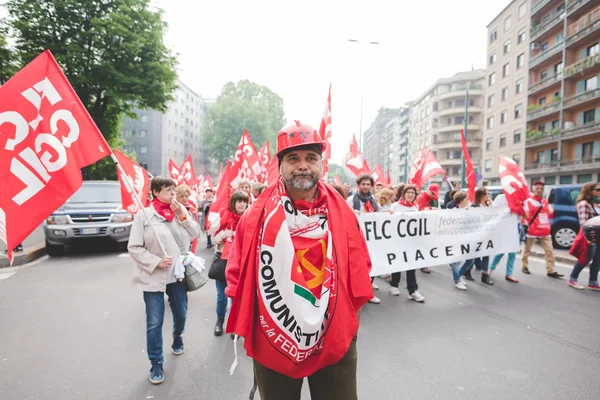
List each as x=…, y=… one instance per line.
x=145, y=250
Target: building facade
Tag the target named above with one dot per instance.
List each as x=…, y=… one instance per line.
x=377, y=137
x=505, y=102
x=156, y=137
x=398, y=149
x=563, y=118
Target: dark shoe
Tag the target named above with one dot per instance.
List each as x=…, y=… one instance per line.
x=177, y=345
x=511, y=279
x=425, y=270
x=209, y=246
x=555, y=275
x=219, y=327
x=525, y=271
x=19, y=248
x=468, y=276
x=157, y=375
x=232, y=336
x=485, y=278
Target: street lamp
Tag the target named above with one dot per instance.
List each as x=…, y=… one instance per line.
x=363, y=44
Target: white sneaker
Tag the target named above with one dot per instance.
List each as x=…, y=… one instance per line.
x=416, y=296
x=375, y=300
x=394, y=291
x=374, y=286
x=460, y=285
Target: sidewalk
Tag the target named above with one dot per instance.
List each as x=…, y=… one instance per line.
x=561, y=256
x=34, y=248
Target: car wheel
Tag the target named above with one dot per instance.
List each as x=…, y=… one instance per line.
x=564, y=236
x=54, y=250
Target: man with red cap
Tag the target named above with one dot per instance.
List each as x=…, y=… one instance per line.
x=537, y=217
x=428, y=200
x=298, y=274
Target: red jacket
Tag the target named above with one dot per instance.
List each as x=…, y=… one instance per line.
x=424, y=201
x=540, y=227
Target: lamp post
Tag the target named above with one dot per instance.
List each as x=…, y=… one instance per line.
x=363, y=44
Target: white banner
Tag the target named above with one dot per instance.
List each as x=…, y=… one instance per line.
x=405, y=241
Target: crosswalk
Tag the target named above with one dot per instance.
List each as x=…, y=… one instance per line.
x=6, y=273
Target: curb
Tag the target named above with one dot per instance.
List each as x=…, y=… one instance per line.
x=30, y=254
x=561, y=259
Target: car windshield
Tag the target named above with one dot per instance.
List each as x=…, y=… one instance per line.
x=96, y=194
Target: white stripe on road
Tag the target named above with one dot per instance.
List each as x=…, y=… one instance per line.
x=122, y=255
x=6, y=275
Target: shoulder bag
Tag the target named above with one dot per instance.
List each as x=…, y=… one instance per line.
x=195, y=275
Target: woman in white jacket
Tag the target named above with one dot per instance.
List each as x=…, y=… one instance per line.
x=157, y=274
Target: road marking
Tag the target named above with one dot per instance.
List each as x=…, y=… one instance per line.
x=6, y=275
x=122, y=255
x=543, y=261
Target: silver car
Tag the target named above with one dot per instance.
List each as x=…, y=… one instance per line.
x=93, y=212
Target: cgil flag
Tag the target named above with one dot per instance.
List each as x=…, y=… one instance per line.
x=139, y=180
x=471, y=175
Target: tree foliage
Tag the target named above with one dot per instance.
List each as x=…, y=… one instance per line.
x=7, y=60
x=111, y=51
x=336, y=169
x=240, y=105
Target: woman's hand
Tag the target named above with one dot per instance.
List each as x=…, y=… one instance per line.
x=178, y=208
x=166, y=262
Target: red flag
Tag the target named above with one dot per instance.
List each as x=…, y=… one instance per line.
x=208, y=183
x=175, y=172
x=272, y=171
x=46, y=137
x=246, y=158
x=337, y=180
x=429, y=167
x=264, y=155
x=221, y=171
x=325, y=133
x=378, y=175
x=514, y=184
x=418, y=164
x=471, y=175
x=187, y=172
x=389, y=179
x=354, y=162
x=365, y=169
x=139, y=179
x=221, y=201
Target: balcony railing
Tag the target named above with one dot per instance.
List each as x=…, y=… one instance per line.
x=586, y=162
x=585, y=129
x=542, y=112
x=582, y=65
x=584, y=26
x=574, y=5
x=550, y=80
x=540, y=137
x=543, y=165
x=544, y=27
x=538, y=6
x=581, y=98
x=544, y=55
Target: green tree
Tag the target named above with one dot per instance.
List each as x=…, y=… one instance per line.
x=7, y=61
x=336, y=169
x=111, y=51
x=240, y=105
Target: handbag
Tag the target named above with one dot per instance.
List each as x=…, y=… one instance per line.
x=194, y=271
x=217, y=268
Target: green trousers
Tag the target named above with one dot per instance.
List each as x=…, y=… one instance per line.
x=335, y=382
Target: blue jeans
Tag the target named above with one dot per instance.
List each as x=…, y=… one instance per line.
x=155, y=313
x=458, y=271
x=510, y=263
x=594, y=258
x=221, y=298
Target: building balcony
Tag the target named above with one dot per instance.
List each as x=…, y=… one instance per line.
x=457, y=144
x=581, y=29
x=545, y=55
x=575, y=5
x=537, y=7
x=581, y=130
x=546, y=83
x=459, y=110
x=582, y=65
x=458, y=127
x=537, y=138
x=542, y=28
x=450, y=162
x=581, y=98
x=543, y=167
x=535, y=112
x=570, y=166
x=461, y=92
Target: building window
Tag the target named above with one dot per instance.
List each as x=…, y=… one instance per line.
x=557, y=68
x=507, y=23
x=521, y=36
x=517, y=158
x=519, y=87
x=585, y=178
x=550, y=180
x=144, y=118
x=505, y=70
x=566, y=179
x=488, y=165
x=545, y=47
x=521, y=60
x=522, y=10
x=559, y=38
x=591, y=50
x=542, y=101
x=507, y=47
x=503, y=117
x=589, y=116
x=492, y=58
x=489, y=144
x=490, y=122
x=505, y=93
x=491, y=101
x=543, y=75
x=517, y=137
x=492, y=79
x=143, y=149
x=493, y=36
x=143, y=133
x=518, y=111
x=503, y=141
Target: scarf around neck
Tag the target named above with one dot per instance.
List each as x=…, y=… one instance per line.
x=369, y=200
x=164, y=210
x=406, y=203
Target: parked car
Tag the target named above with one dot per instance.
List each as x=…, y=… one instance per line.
x=565, y=223
x=93, y=212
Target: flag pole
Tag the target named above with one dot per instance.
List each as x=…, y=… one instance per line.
x=466, y=121
x=139, y=202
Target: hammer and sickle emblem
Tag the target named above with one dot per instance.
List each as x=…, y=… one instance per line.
x=319, y=273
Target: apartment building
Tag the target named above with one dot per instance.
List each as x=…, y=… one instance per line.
x=438, y=115
x=400, y=165
x=505, y=89
x=563, y=118
x=377, y=138
x=155, y=137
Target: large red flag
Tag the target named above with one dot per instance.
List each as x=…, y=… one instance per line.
x=221, y=201
x=514, y=184
x=272, y=171
x=325, y=133
x=378, y=175
x=354, y=162
x=264, y=155
x=471, y=175
x=246, y=158
x=187, y=171
x=175, y=172
x=429, y=168
x=139, y=181
x=418, y=164
x=365, y=169
x=389, y=179
x=46, y=137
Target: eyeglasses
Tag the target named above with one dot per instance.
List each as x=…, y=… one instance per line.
x=597, y=190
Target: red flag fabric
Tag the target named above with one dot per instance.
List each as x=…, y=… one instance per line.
x=389, y=179
x=47, y=136
x=221, y=170
x=264, y=154
x=272, y=171
x=175, y=172
x=471, y=175
x=429, y=168
x=221, y=201
x=208, y=183
x=354, y=162
x=139, y=179
x=514, y=184
x=378, y=175
x=365, y=169
x=246, y=158
x=337, y=180
x=417, y=165
x=187, y=171
x=325, y=132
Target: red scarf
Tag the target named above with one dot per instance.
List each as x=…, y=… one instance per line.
x=232, y=221
x=352, y=286
x=164, y=210
x=406, y=203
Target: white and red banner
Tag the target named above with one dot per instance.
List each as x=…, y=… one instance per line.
x=221, y=201
x=325, y=133
x=246, y=159
x=354, y=162
x=138, y=178
x=429, y=168
x=471, y=175
x=264, y=154
x=514, y=184
x=46, y=137
x=379, y=176
x=187, y=172
x=175, y=172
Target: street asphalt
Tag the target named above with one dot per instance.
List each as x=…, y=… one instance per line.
x=73, y=328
